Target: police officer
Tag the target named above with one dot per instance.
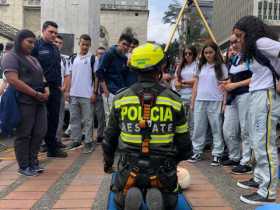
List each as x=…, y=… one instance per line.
x=147, y=125
x=49, y=57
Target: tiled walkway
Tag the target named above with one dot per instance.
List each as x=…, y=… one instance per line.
x=74, y=182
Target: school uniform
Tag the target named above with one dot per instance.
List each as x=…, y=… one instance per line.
x=81, y=91
x=187, y=74
x=207, y=108
x=235, y=127
x=264, y=113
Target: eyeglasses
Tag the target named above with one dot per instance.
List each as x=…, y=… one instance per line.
x=188, y=54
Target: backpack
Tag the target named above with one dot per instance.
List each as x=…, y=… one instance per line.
x=10, y=115
x=92, y=61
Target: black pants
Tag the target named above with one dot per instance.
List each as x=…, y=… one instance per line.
x=30, y=133
x=53, y=107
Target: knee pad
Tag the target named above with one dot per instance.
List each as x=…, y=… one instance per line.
x=133, y=199
x=154, y=199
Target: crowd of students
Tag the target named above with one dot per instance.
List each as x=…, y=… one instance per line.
x=236, y=97
x=239, y=98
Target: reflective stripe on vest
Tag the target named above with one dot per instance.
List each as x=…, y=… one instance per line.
x=169, y=102
x=155, y=139
x=126, y=101
x=182, y=128
x=160, y=101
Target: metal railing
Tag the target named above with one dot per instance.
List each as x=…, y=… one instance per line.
x=8, y=31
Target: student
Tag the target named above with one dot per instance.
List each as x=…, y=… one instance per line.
x=112, y=71
x=24, y=73
x=185, y=80
x=235, y=127
x=82, y=96
x=261, y=48
x=207, y=101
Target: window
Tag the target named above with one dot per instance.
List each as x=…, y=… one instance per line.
x=3, y=2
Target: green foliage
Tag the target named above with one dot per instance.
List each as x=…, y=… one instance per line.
x=192, y=31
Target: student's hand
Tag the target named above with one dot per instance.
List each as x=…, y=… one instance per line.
x=278, y=87
x=42, y=97
x=93, y=98
x=62, y=89
x=46, y=96
x=191, y=107
x=106, y=92
x=66, y=96
x=230, y=86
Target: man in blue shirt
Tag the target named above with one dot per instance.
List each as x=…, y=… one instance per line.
x=49, y=57
x=112, y=71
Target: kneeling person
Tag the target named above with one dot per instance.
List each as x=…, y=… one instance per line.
x=148, y=126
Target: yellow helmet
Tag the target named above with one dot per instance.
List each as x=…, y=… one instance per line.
x=146, y=56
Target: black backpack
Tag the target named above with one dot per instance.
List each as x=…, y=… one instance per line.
x=92, y=61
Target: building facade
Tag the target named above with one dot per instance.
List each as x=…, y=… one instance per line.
x=227, y=12
x=118, y=16
x=115, y=17
x=74, y=18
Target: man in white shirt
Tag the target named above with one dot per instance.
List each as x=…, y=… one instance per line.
x=82, y=96
x=65, y=75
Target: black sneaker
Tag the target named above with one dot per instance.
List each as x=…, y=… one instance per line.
x=242, y=169
x=88, y=148
x=255, y=199
x=249, y=184
x=65, y=135
x=74, y=146
x=195, y=158
x=58, y=154
x=216, y=161
x=37, y=168
x=61, y=145
x=99, y=140
x=230, y=162
x=27, y=172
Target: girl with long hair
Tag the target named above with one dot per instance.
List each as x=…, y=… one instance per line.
x=207, y=103
x=235, y=127
x=261, y=49
x=24, y=73
x=185, y=79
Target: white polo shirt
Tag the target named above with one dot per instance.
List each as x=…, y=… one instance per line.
x=64, y=67
x=81, y=73
x=207, y=87
x=262, y=77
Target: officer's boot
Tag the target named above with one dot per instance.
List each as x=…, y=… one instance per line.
x=133, y=199
x=154, y=199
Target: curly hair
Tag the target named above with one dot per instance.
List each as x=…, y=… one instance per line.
x=218, y=60
x=183, y=62
x=254, y=29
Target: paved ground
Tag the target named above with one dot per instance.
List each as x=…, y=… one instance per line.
x=78, y=182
